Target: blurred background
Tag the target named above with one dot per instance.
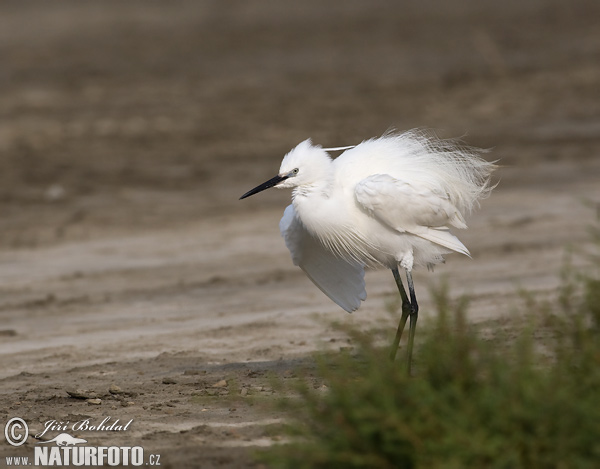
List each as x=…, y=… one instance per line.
x=136, y=114
x=128, y=130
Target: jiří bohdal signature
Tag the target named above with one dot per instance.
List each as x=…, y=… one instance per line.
x=85, y=425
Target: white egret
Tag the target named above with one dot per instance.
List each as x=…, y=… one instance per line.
x=386, y=202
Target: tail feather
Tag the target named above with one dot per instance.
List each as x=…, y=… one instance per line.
x=443, y=237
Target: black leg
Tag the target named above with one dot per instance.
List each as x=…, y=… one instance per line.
x=406, y=310
x=410, y=308
x=414, y=315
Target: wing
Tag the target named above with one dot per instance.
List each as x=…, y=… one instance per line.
x=408, y=209
x=340, y=280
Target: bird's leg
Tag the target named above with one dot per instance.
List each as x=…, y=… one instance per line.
x=406, y=311
x=414, y=314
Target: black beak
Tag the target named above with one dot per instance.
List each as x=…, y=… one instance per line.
x=265, y=185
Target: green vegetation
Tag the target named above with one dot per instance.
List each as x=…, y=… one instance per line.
x=528, y=399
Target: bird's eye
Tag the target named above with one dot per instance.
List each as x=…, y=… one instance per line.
x=294, y=172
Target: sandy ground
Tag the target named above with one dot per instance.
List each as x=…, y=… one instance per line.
x=128, y=132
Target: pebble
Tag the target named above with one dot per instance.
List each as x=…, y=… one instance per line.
x=81, y=394
x=55, y=193
x=220, y=384
x=169, y=381
x=114, y=389
x=94, y=401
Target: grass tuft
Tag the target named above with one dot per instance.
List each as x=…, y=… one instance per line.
x=472, y=403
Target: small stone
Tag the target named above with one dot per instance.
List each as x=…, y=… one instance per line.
x=114, y=389
x=81, y=394
x=220, y=384
x=244, y=392
x=55, y=193
x=94, y=401
x=169, y=381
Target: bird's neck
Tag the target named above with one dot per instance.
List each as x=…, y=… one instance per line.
x=319, y=189
x=315, y=206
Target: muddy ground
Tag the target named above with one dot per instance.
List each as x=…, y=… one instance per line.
x=128, y=130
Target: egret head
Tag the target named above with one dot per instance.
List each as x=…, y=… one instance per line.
x=304, y=165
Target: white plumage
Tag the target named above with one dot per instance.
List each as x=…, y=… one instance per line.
x=340, y=279
x=387, y=201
